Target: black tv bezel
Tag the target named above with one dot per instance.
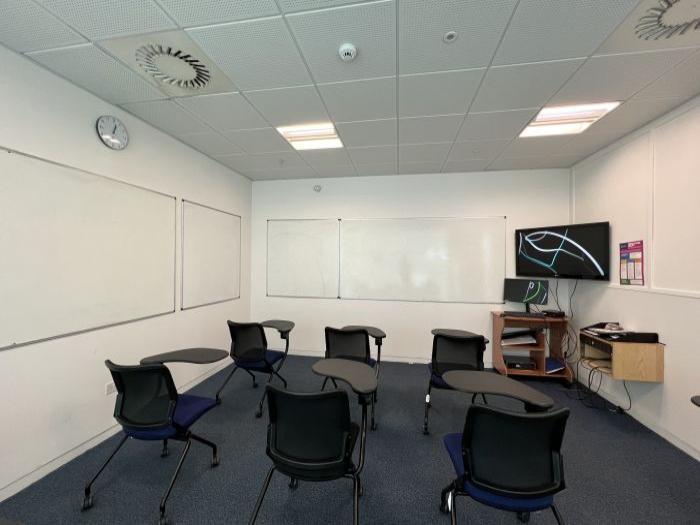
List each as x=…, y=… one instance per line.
x=519, y=273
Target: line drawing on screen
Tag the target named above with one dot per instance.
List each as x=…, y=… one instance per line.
x=531, y=240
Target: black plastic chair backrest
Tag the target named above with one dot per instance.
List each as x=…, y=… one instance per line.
x=309, y=430
x=248, y=341
x=514, y=454
x=457, y=353
x=347, y=344
x=146, y=395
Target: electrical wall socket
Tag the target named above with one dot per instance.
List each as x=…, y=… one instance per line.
x=110, y=388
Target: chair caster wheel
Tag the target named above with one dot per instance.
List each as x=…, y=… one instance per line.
x=87, y=503
x=163, y=521
x=443, y=507
x=165, y=453
x=524, y=517
x=293, y=483
x=426, y=432
x=218, y=400
x=255, y=385
x=373, y=426
x=215, y=462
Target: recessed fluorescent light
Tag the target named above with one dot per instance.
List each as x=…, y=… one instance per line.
x=567, y=120
x=321, y=135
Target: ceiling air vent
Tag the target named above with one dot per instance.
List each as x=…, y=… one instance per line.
x=173, y=66
x=668, y=19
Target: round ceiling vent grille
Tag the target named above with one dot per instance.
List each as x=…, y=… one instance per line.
x=671, y=17
x=172, y=66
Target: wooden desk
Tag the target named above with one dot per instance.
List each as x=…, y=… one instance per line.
x=628, y=361
x=549, y=329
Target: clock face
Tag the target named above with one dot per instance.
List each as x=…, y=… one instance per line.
x=112, y=132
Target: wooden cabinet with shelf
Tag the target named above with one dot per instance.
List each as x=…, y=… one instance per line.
x=624, y=360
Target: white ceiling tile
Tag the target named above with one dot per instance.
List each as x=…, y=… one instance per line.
x=336, y=171
x=326, y=157
x=635, y=113
x=254, y=54
x=368, y=133
x=424, y=153
x=554, y=29
x=456, y=90
x=669, y=13
x=290, y=6
x=210, y=143
x=271, y=161
x=422, y=25
x=362, y=100
x=617, y=77
x=225, y=112
x=422, y=130
x=477, y=149
x=373, y=155
x=188, y=13
x=681, y=81
x=99, y=19
x=167, y=116
x=589, y=142
x=522, y=86
x=536, y=146
x=409, y=168
x=533, y=163
x=464, y=166
x=289, y=106
x=89, y=67
x=495, y=125
x=295, y=172
x=384, y=168
x=24, y=26
x=232, y=161
x=369, y=26
x=266, y=140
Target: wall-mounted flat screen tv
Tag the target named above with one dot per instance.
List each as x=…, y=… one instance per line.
x=574, y=251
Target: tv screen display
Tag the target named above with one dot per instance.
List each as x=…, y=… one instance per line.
x=575, y=251
x=528, y=291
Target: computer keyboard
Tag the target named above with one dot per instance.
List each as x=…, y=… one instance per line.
x=538, y=315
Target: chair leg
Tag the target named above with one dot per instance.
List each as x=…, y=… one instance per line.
x=284, y=381
x=473, y=398
x=87, y=501
x=259, y=412
x=557, y=516
x=373, y=424
x=523, y=517
x=483, y=396
x=165, y=452
x=443, y=498
x=427, y=410
x=293, y=483
x=323, y=386
x=356, y=499
x=163, y=501
x=251, y=374
x=453, y=509
x=218, y=392
x=210, y=444
x=261, y=497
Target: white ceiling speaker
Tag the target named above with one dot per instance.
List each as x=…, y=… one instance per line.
x=173, y=66
x=347, y=52
x=668, y=19
x=450, y=37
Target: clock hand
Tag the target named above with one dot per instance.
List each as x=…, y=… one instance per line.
x=114, y=130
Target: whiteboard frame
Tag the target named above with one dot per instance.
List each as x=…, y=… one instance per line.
x=182, y=255
x=11, y=151
x=505, y=256
x=267, y=258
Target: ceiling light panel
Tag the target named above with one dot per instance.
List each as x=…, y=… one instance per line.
x=100, y=19
x=91, y=68
x=479, y=26
x=370, y=27
x=189, y=13
x=495, y=125
x=254, y=54
x=319, y=135
x=24, y=27
x=567, y=120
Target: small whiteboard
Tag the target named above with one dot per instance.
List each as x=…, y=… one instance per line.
x=211, y=255
x=302, y=258
x=423, y=259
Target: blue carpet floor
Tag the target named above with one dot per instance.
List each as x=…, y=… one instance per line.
x=617, y=471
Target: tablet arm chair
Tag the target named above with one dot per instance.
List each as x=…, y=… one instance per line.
x=249, y=352
x=311, y=437
x=352, y=344
x=149, y=408
x=452, y=353
x=508, y=460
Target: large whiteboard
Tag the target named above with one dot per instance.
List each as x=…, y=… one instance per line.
x=423, y=259
x=211, y=255
x=302, y=258
x=79, y=251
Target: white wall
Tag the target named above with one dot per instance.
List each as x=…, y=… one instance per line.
x=527, y=198
x=53, y=394
x=635, y=183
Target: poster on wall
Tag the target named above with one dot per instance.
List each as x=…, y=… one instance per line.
x=632, y=263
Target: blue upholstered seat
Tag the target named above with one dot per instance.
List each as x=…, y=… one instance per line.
x=271, y=357
x=188, y=410
x=436, y=380
x=453, y=444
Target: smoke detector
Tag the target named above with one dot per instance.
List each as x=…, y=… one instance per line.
x=347, y=52
x=173, y=66
x=669, y=18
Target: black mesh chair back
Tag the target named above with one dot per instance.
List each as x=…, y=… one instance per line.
x=146, y=395
x=512, y=453
x=457, y=353
x=248, y=341
x=311, y=435
x=347, y=344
